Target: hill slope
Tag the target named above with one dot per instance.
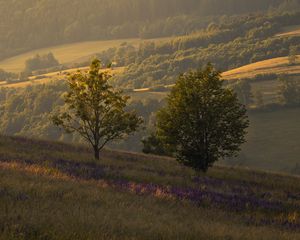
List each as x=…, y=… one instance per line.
x=56, y=191
x=65, y=54
x=275, y=65
x=32, y=24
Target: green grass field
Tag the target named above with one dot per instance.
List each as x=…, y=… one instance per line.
x=56, y=191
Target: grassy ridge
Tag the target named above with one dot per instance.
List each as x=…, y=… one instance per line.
x=70, y=53
x=65, y=54
x=290, y=31
x=56, y=191
x=275, y=65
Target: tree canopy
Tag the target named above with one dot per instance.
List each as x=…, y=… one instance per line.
x=95, y=110
x=203, y=121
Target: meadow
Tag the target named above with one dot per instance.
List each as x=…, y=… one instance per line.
x=275, y=65
x=72, y=53
x=289, y=31
x=65, y=54
x=54, y=77
x=52, y=190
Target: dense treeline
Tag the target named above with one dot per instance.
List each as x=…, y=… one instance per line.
x=7, y=76
x=28, y=111
x=228, y=43
x=41, y=62
x=32, y=24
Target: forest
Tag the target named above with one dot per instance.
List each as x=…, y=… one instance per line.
x=32, y=24
x=231, y=43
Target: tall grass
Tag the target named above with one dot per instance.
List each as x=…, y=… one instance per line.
x=57, y=191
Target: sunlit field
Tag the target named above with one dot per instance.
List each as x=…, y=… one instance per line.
x=290, y=31
x=69, y=53
x=55, y=76
x=56, y=191
x=275, y=65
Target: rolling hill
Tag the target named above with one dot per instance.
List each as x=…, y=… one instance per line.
x=66, y=54
x=289, y=31
x=275, y=65
x=69, y=53
x=51, y=190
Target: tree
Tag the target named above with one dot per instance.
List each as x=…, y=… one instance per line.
x=243, y=90
x=203, y=121
x=289, y=90
x=95, y=110
x=152, y=144
x=293, y=56
x=260, y=103
x=41, y=62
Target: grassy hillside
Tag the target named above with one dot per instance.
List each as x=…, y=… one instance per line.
x=56, y=191
x=66, y=54
x=275, y=65
x=53, y=77
x=290, y=31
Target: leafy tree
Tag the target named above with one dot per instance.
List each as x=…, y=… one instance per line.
x=243, y=90
x=289, y=90
x=95, y=110
x=153, y=144
x=4, y=76
x=293, y=56
x=41, y=62
x=260, y=103
x=203, y=121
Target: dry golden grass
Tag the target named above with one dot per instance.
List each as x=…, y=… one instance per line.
x=275, y=65
x=53, y=76
x=69, y=53
x=290, y=31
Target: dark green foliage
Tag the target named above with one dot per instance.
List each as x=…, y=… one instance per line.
x=41, y=62
x=293, y=55
x=95, y=110
x=244, y=91
x=153, y=145
x=259, y=100
x=289, y=91
x=203, y=121
x=7, y=76
x=232, y=44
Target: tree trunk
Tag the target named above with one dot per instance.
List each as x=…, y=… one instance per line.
x=97, y=153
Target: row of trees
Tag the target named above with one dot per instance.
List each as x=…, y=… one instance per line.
x=7, y=76
x=40, y=62
x=202, y=122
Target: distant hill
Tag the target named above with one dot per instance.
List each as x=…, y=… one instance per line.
x=289, y=31
x=73, y=53
x=66, y=54
x=55, y=191
x=32, y=24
